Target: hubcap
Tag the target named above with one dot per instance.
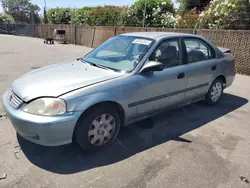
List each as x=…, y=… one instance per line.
x=101, y=130
x=216, y=91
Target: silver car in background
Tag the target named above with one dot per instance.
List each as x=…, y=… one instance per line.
x=128, y=78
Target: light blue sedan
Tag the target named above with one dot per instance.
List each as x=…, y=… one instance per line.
x=128, y=78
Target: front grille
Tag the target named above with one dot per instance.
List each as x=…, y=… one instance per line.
x=14, y=100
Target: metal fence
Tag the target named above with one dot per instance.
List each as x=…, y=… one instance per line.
x=18, y=29
x=237, y=40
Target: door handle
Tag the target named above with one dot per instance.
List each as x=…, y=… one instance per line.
x=181, y=75
x=214, y=68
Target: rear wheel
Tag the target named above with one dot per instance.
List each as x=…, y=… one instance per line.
x=97, y=127
x=215, y=92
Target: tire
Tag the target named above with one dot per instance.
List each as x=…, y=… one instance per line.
x=90, y=131
x=215, y=92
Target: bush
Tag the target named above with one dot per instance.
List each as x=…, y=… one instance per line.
x=161, y=17
x=222, y=14
x=189, y=19
x=5, y=18
x=59, y=15
x=156, y=12
x=129, y=17
x=82, y=16
x=107, y=16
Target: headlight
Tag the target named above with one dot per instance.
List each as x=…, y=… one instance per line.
x=46, y=107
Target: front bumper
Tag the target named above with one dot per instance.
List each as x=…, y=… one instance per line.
x=47, y=131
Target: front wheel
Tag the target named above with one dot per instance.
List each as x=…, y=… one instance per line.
x=215, y=92
x=97, y=127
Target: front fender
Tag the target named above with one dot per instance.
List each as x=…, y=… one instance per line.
x=82, y=103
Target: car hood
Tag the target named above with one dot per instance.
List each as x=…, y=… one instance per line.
x=55, y=80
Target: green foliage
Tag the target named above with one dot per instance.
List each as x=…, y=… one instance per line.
x=21, y=10
x=129, y=17
x=187, y=5
x=59, y=15
x=82, y=16
x=189, y=19
x=107, y=16
x=161, y=16
x=162, y=6
x=157, y=13
x=5, y=18
x=223, y=14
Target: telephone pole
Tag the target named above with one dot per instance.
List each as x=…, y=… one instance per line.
x=144, y=14
x=45, y=20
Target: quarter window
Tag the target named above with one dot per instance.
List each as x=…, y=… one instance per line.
x=167, y=53
x=198, y=50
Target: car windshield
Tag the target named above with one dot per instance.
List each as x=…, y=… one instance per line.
x=121, y=53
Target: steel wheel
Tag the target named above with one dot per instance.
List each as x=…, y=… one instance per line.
x=101, y=130
x=97, y=127
x=216, y=91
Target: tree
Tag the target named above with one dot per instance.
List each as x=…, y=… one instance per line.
x=187, y=5
x=21, y=10
x=5, y=18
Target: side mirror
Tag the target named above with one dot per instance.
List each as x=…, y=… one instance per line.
x=152, y=66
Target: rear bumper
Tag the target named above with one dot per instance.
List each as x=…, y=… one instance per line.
x=47, y=131
x=229, y=80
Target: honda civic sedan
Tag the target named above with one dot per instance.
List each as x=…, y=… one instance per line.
x=128, y=78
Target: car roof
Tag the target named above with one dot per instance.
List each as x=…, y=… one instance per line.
x=154, y=35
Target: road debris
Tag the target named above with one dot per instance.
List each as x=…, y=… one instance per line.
x=16, y=154
x=4, y=176
x=17, y=151
x=242, y=178
x=2, y=116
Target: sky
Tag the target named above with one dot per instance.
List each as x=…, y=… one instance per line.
x=78, y=3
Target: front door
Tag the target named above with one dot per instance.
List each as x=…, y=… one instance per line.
x=160, y=90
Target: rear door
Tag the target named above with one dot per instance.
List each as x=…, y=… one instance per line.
x=201, y=65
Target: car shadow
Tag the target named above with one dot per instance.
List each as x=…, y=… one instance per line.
x=132, y=139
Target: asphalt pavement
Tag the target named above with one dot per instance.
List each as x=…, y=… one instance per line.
x=195, y=146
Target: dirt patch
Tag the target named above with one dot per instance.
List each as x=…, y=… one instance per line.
x=229, y=142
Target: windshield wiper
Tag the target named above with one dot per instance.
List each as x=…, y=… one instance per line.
x=96, y=65
x=99, y=66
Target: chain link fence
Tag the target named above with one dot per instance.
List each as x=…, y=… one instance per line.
x=18, y=29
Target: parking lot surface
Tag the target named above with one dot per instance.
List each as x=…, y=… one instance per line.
x=194, y=146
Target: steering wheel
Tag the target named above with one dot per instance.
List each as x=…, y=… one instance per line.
x=134, y=59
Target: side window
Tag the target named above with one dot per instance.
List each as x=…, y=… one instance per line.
x=198, y=50
x=167, y=53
